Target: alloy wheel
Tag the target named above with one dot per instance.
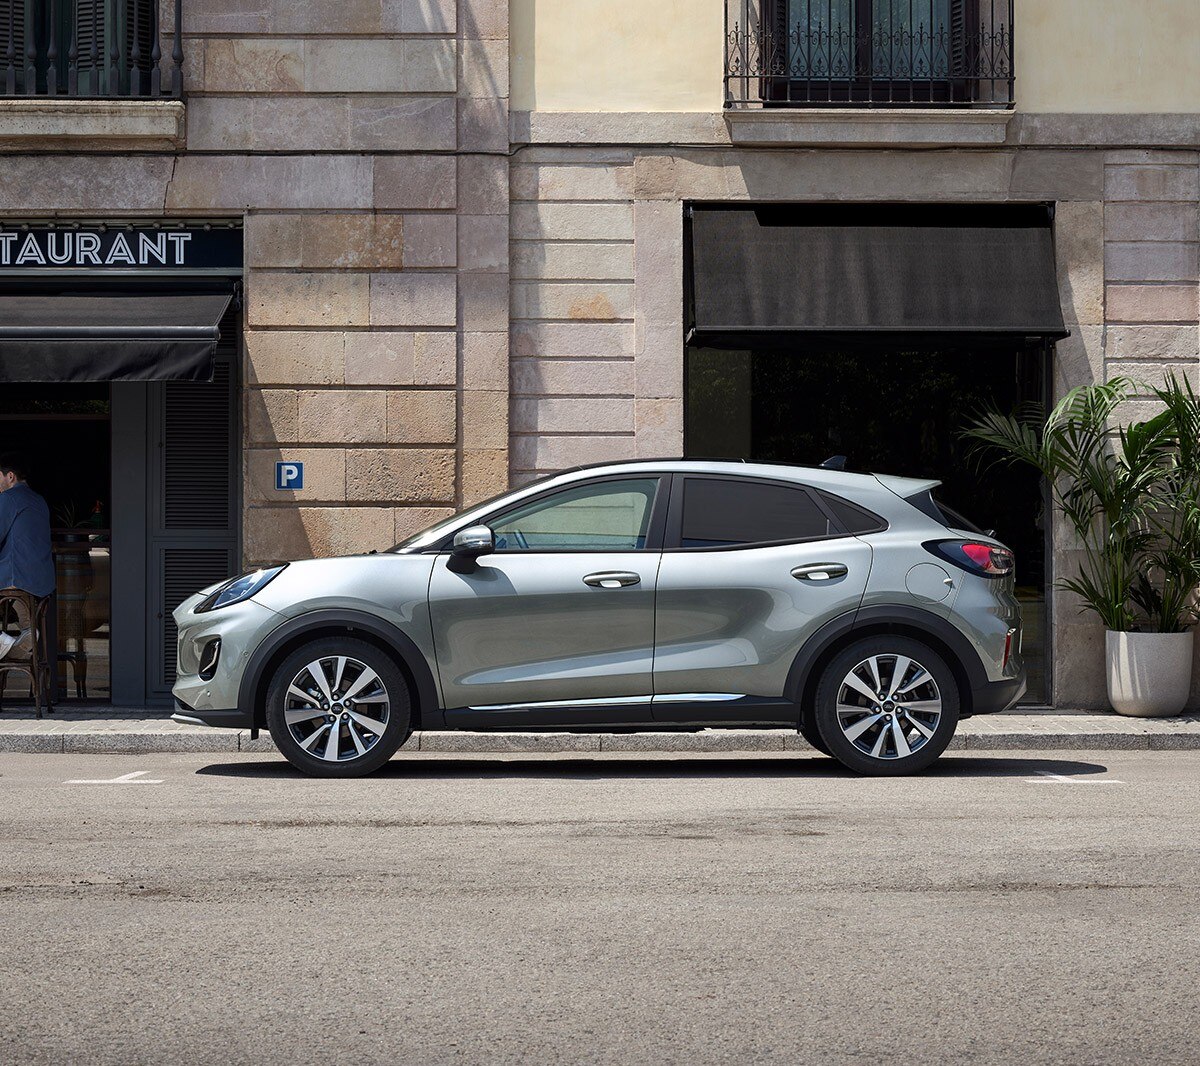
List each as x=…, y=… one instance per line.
x=889, y=706
x=336, y=708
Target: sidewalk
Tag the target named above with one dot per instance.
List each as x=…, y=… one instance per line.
x=112, y=730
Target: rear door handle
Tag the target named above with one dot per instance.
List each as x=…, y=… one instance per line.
x=820, y=571
x=611, y=579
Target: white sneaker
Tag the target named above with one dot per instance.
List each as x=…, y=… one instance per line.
x=6, y=643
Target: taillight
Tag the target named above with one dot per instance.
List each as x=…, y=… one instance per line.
x=975, y=557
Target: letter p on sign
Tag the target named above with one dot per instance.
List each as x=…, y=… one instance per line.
x=289, y=475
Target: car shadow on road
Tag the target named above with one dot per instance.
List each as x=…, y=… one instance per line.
x=797, y=765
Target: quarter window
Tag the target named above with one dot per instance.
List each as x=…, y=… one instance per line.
x=607, y=516
x=725, y=513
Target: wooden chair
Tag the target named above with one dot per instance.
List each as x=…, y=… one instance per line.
x=37, y=664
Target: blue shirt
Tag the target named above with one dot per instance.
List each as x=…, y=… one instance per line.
x=25, y=559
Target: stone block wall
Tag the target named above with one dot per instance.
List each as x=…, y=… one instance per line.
x=572, y=310
x=365, y=146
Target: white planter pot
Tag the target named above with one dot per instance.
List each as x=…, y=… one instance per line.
x=1149, y=674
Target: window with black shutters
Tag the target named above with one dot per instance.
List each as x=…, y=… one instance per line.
x=85, y=47
x=724, y=513
x=877, y=51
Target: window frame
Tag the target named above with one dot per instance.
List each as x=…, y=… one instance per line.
x=654, y=530
x=673, y=538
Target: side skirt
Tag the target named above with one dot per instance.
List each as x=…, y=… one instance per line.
x=671, y=713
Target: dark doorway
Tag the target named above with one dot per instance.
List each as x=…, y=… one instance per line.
x=894, y=406
x=64, y=432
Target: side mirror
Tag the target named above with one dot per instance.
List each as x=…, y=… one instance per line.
x=472, y=542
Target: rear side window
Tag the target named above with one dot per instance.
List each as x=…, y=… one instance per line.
x=939, y=512
x=853, y=519
x=724, y=513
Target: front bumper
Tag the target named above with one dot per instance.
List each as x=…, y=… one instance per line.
x=241, y=628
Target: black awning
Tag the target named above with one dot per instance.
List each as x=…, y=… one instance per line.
x=115, y=336
x=878, y=268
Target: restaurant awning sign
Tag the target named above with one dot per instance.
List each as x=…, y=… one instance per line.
x=120, y=248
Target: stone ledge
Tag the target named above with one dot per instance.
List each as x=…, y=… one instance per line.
x=51, y=124
x=850, y=128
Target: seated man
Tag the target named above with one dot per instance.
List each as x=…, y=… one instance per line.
x=25, y=559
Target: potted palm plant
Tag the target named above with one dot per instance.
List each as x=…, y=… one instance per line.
x=1131, y=495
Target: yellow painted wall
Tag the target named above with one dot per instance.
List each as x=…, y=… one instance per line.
x=616, y=55
x=1108, y=55
x=666, y=55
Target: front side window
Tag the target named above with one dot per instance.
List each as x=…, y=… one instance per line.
x=607, y=516
x=720, y=513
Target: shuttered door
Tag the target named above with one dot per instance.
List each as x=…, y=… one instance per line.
x=193, y=506
x=138, y=43
x=92, y=60
x=964, y=47
x=12, y=34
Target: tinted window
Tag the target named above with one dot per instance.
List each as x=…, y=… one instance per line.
x=609, y=515
x=853, y=519
x=718, y=514
x=939, y=512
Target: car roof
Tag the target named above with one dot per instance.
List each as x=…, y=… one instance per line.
x=819, y=476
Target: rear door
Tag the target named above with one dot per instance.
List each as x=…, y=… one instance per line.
x=751, y=568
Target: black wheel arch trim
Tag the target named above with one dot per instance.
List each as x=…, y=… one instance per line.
x=801, y=676
x=411, y=658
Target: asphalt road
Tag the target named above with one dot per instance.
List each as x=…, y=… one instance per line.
x=608, y=909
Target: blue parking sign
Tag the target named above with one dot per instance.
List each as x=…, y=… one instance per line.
x=289, y=475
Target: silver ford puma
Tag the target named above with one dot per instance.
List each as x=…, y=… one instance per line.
x=658, y=595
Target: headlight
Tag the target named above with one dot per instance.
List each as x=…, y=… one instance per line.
x=237, y=589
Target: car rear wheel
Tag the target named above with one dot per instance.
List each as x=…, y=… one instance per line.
x=338, y=707
x=887, y=706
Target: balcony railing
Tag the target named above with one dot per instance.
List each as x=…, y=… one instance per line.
x=869, y=53
x=91, y=48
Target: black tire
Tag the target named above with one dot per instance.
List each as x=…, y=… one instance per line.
x=900, y=725
x=808, y=730
x=380, y=745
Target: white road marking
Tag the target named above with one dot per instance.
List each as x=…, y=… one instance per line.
x=1046, y=776
x=136, y=778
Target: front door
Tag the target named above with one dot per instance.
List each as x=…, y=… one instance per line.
x=556, y=627
x=752, y=568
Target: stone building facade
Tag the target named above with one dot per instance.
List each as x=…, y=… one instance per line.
x=364, y=148
x=451, y=287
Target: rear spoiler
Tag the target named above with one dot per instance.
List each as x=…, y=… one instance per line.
x=906, y=486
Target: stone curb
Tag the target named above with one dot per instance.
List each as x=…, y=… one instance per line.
x=84, y=741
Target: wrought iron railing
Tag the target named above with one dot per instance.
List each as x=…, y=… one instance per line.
x=869, y=53
x=91, y=48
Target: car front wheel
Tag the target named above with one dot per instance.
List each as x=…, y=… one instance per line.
x=887, y=705
x=338, y=707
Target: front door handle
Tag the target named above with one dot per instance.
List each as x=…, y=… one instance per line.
x=820, y=571
x=611, y=579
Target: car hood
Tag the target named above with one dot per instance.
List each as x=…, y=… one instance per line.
x=381, y=583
